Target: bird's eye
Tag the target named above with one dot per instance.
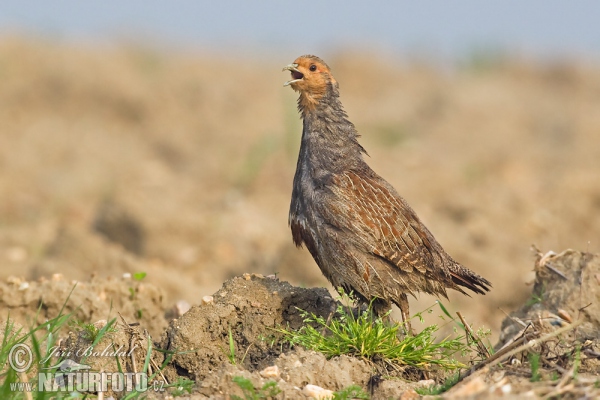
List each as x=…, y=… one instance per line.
x=313, y=68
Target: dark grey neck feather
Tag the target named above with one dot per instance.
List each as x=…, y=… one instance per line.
x=329, y=140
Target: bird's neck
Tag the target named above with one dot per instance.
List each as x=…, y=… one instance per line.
x=329, y=140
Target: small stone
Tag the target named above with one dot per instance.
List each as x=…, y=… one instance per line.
x=126, y=275
x=275, y=293
x=24, y=286
x=506, y=389
x=246, y=276
x=426, y=383
x=207, y=300
x=468, y=389
x=272, y=276
x=317, y=392
x=270, y=372
x=100, y=324
x=564, y=315
x=259, y=276
x=57, y=277
x=182, y=306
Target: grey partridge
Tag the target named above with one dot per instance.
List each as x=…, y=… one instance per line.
x=362, y=234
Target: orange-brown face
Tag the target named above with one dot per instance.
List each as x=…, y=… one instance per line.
x=310, y=77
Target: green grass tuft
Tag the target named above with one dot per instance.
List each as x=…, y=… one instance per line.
x=373, y=338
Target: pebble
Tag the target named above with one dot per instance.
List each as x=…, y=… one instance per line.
x=100, y=324
x=506, y=389
x=426, y=383
x=24, y=286
x=317, y=392
x=208, y=300
x=270, y=372
x=182, y=306
x=564, y=315
x=468, y=389
x=247, y=276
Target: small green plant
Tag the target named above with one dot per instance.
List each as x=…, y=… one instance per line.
x=268, y=390
x=435, y=390
x=534, y=363
x=536, y=298
x=351, y=392
x=231, y=354
x=90, y=331
x=182, y=386
x=271, y=340
x=470, y=340
x=368, y=337
x=577, y=360
x=139, y=276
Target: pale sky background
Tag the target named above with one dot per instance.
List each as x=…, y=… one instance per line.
x=436, y=29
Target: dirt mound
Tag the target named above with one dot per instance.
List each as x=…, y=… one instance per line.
x=551, y=346
x=567, y=288
x=95, y=300
x=246, y=313
x=251, y=308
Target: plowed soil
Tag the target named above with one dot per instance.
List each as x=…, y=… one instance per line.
x=124, y=160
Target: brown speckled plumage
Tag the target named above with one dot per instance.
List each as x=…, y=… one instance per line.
x=361, y=233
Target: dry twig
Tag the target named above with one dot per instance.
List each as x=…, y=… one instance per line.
x=483, y=351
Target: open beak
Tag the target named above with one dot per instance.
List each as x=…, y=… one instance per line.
x=296, y=74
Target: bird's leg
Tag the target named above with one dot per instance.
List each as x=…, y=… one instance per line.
x=381, y=309
x=403, y=304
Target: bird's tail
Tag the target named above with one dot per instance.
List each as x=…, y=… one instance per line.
x=465, y=277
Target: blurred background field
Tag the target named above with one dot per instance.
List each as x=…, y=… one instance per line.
x=178, y=161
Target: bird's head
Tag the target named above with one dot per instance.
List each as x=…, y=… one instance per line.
x=312, y=78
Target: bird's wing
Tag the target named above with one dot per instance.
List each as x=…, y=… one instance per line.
x=383, y=223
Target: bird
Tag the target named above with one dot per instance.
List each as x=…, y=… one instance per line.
x=363, y=235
